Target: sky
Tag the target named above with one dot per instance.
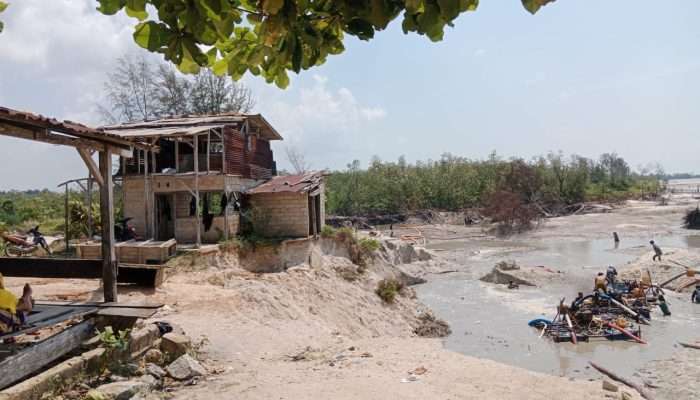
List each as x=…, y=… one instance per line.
x=583, y=77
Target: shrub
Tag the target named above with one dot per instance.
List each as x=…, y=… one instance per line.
x=345, y=234
x=327, y=232
x=432, y=327
x=387, y=289
x=510, y=212
x=369, y=245
x=116, y=347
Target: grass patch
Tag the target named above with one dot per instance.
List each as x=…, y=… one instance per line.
x=327, y=232
x=369, y=245
x=388, y=289
x=244, y=244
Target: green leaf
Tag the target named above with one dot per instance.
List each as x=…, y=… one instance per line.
x=380, y=14
x=136, y=9
x=414, y=6
x=151, y=35
x=110, y=7
x=188, y=65
x=220, y=67
x=3, y=6
x=534, y=5
x=282, y=80
x=2, y=26
x=361, y=28
x=272, y=6
x=449, y=9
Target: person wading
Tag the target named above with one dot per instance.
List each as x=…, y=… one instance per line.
x=657, y=251
x=695, y=297
x=601, y=283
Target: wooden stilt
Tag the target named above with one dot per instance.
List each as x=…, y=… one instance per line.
x=109, y=261
x=196, y=190
x=67, y=221
x=91, y=228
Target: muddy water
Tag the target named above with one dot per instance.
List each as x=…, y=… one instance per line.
x=490, y=321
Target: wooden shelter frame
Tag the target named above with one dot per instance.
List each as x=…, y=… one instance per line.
x=85, y=140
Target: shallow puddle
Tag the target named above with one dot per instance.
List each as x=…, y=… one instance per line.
x=490, y=321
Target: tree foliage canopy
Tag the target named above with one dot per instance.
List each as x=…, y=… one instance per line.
x=141, y=90
x=269, y=38
x=454, y=183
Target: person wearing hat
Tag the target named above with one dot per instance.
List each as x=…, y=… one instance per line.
x=695, y=297
x=657, y=251
x=13, y=311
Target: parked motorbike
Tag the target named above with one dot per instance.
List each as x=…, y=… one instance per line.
x=124, y=231
x=21, y=245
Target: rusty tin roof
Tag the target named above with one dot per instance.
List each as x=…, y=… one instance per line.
x=300, y=183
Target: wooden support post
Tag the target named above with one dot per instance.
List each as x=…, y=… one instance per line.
x=196, y=189
x=90, y=163
x=224, y=169
x=208, y=149
x=153, y=196
x=109, y=261
x=146, y=196
x=225, y=210
x=67, y=222
x=177, y=155
x=91, y=230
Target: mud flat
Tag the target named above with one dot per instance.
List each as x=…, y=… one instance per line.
x=312, y=330
x=490, y=321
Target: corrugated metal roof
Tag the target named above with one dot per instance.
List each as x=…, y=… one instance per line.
x=71, y=128
x=301, y=183
x=161, y=132
x=191, y=125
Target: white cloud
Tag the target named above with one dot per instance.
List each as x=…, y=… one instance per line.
x=329, y=125
x=39, y=33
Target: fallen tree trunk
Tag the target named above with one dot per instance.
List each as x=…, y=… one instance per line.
x=622, y=380
x=672, y=279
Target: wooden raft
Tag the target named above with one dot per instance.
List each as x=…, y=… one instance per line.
x=55, y=329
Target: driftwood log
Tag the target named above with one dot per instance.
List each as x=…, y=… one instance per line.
x=643, y=392
x=689, y=345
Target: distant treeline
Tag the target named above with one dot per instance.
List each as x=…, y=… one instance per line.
x=683, y=175
x=454, y=183
x=22, y=210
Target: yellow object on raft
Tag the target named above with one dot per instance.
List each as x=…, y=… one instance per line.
x=8, y=301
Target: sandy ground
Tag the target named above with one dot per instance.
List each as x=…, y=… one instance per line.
x=351, y=345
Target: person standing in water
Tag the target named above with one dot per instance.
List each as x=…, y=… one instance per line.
x=657, y=251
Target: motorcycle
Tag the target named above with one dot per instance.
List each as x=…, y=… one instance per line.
x=21, y=245
x=123, y=231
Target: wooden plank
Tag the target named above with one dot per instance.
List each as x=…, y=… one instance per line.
x=74, y=268
x=32, y=359
x=44, y=136
x=109, y=259
x=127, y=312
x=90, y=163
x=93, y=304
x=68, y=268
